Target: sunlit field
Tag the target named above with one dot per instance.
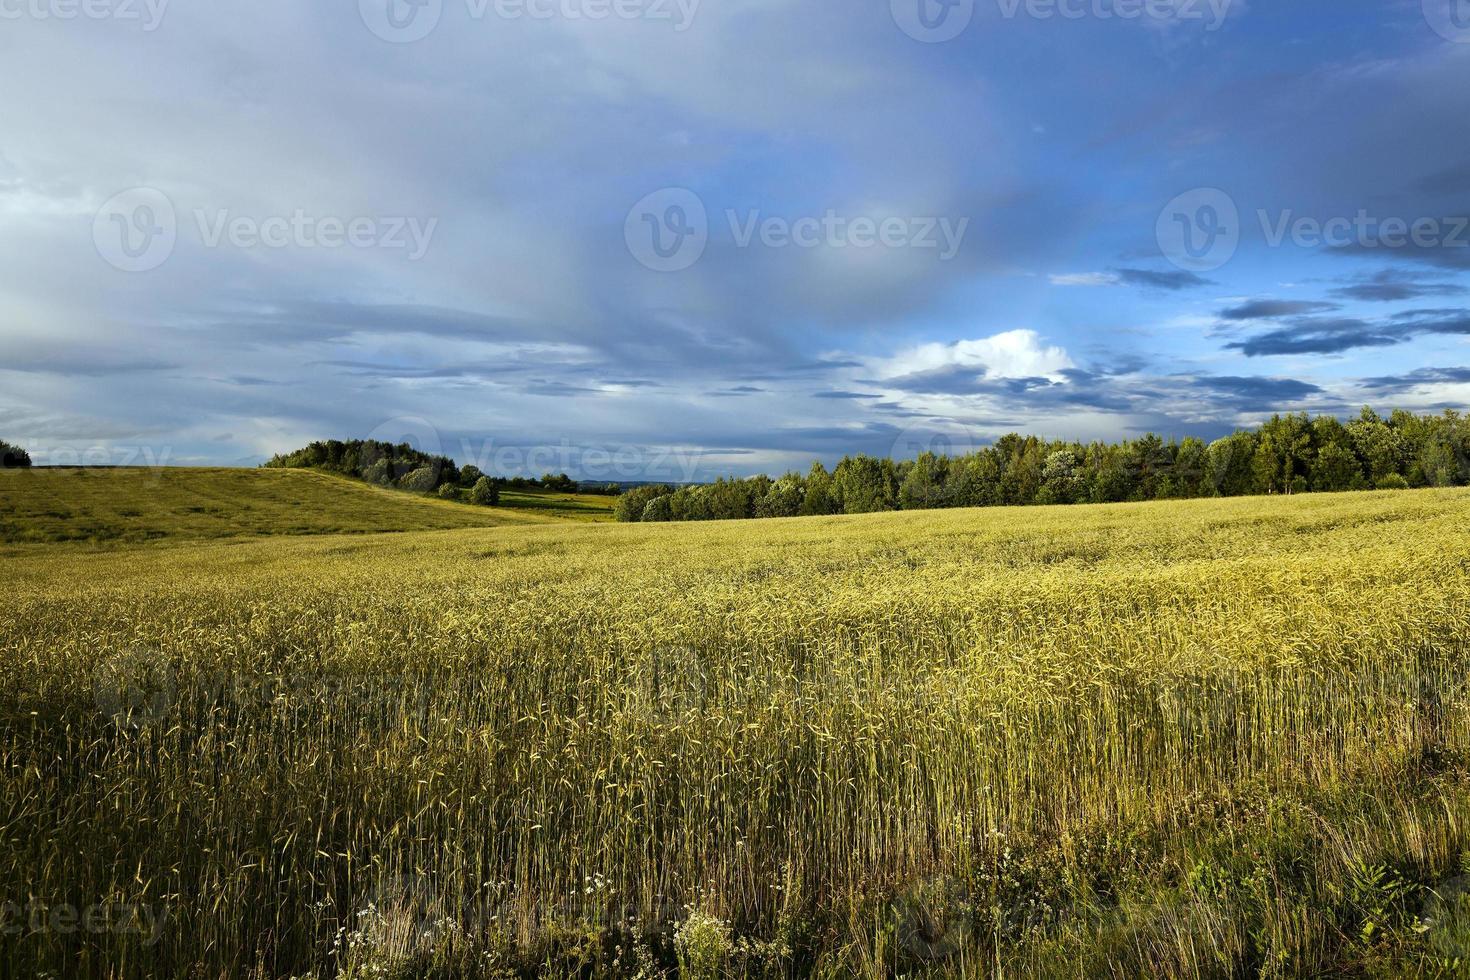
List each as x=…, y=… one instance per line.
x=1209, y=738
x=109, y=506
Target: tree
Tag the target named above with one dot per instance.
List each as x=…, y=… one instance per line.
x=784, y=498
x=13, y=457
x=1061, y=479
x=1336, y=466
x=864, y=485
x=658, y=510
x=449, y=492
x=1284, y=454
x=469, y=475
x=925, y=484
x=422, y=480
x=1377, y=444
x=485, y=492
x=629, y=508
x=819, y=499
x=1230, y=465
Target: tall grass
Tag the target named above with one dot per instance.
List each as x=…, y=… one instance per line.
x=1205, y=738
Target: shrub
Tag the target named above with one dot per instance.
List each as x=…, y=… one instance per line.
x=421, y=480
x=703, y=944
x=1393, y=481
x=485, y=492
x=449, y=492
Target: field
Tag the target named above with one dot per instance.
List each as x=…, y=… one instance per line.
x=133, y=505
x=1206, y=738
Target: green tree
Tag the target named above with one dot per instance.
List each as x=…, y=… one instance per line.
x=925, y=483
x=485, y=492
x=13, y=457
x=1230, y=465
x=864, y=485
x=658, y=511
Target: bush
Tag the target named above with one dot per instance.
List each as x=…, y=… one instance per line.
x=485, y=492
x=13, y=457
x=1393, y=481
x=380, y=473
x=422, y=480
x=630, y=505
x=658, y=511
x=449, y=492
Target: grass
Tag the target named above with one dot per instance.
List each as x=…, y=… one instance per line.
x=145, y=504
x=1207, y=738
x=566, y=506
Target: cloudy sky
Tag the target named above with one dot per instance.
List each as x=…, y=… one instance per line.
x=678, y=238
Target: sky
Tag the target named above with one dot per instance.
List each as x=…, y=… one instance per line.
x=674, y=239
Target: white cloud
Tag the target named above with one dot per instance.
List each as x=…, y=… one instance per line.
x=1013, y=354
x=1084, y=279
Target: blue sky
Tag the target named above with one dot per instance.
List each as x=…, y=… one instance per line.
x=883, y=226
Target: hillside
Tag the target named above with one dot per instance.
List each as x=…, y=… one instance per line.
x=134, y=505
x=1173, y=739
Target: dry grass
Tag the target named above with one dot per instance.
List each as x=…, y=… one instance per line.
x=1162, y=739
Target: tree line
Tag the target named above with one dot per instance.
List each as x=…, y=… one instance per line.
x=1289, y=454
x=13, y=457
x=403, y=467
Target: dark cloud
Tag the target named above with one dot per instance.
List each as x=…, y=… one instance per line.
x=1272, y=309
x=1173, y=280
x=1396, y=285
x=844, y=395
x=1257, y=391
x=1424, y=376
x=1311, y=336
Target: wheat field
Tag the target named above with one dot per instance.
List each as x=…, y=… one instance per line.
x=1206, y=738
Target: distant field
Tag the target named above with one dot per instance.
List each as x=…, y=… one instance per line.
x=133, y=505
x=567, y=506
x=1220, y=738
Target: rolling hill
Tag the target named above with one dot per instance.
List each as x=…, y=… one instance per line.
x=135, y=505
